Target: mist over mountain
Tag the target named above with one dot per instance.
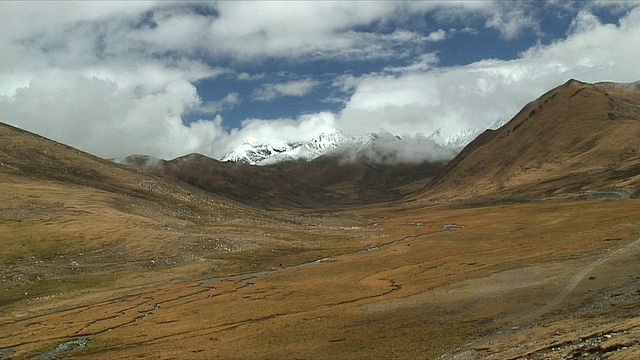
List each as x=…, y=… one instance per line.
x=577, y=139
x=383, y=148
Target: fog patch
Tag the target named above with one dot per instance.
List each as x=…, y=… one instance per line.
x=141, y=162
x=389, y=149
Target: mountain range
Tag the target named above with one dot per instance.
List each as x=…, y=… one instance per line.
x=267, y=152
x=273, y=151
x=327, y=181
x=577, y=139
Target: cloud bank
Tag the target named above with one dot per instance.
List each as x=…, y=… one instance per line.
x=389, y=149
x=120, y=78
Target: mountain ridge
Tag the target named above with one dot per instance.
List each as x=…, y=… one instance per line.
x=325, y=182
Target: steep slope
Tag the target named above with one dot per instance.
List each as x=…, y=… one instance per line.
x=576, y=139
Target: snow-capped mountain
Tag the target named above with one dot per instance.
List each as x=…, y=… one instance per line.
x=253, y=151
x=268, y=152
x=308, y=151
x=455, y=141
x=256, y=152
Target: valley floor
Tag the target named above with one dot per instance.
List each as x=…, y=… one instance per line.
x=539, y=280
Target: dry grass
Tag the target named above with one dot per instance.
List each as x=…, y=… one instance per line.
x=461, y=274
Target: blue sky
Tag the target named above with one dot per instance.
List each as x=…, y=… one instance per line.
x=457, y=47
x=170, y=78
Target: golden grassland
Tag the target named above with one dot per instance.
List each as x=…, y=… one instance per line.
x=104, y=275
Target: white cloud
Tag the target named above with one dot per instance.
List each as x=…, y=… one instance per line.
x=248, y=77
x=291, y=88
x=213, y=107
x=585, y=21
x=424, y=63
x=303, y=128
x=476, y=95
x=93, y=39
x=511, y=20
x=321, y=29
x=438, y=35
x=247, y=30
x=451, y=100
x=616, y=6
x=174, y=29
x=98, y=116
x=391, y=149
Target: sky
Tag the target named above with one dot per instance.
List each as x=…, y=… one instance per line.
x=166, y=79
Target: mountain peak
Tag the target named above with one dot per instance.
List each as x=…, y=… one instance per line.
x=264, y=152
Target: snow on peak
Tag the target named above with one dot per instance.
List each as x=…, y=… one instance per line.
x=267, y=152
x=256, y=152
x=252, y=151
x=456, y=141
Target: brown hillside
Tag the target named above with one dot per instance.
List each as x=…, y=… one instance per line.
x=362, y=181
x=261, y=186
x=70, y=221
x=577, y=139
x=29, y=156
x=253, y=185
x=322, y=183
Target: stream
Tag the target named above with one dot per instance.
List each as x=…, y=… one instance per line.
x=244, y=279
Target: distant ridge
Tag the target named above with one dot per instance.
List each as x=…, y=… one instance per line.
x=577, y=139
x=323, y=182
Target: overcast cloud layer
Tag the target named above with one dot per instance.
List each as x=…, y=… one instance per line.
x=118, y=78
